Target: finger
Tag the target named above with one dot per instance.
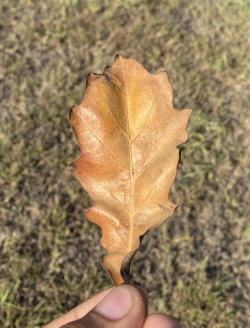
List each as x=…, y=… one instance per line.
x=160, y=321
x=125, y=306
x=79, y=311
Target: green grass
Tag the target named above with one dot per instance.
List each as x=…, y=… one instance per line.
x=195, y=266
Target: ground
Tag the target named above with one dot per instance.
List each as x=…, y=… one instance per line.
x=195, y=266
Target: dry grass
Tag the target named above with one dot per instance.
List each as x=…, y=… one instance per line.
x=195, y=266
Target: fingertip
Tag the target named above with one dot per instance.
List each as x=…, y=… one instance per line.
x=124, y=306
x=141, y=293
x=139, y=297
x=160, y=321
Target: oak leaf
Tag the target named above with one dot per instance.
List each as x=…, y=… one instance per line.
x=128, y=132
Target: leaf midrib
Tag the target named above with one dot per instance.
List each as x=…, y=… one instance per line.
x=131, y=170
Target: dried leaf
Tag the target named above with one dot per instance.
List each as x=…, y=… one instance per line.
x=128, y=132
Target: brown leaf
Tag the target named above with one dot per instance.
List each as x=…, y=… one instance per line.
x=128, y=132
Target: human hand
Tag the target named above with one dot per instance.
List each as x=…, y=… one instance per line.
x=119, y=307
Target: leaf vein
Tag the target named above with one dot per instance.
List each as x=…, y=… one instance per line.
x=107, y=150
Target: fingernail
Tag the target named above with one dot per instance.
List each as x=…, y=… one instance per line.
x=116, y=304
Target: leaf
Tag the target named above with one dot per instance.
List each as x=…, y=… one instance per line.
x=128, y=132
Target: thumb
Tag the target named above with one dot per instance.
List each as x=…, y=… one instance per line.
x=125, y=306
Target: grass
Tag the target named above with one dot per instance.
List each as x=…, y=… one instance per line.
x=195, y=266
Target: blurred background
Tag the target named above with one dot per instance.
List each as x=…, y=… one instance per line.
x=195, y=266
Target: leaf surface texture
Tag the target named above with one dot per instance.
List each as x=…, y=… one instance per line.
x=128, y=132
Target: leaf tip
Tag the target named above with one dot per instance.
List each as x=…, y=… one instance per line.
x=91, y=77
x=119, y=56
x=188, y=112
x=71, y=113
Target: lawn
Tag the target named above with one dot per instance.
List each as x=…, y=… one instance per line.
x=195, y=267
